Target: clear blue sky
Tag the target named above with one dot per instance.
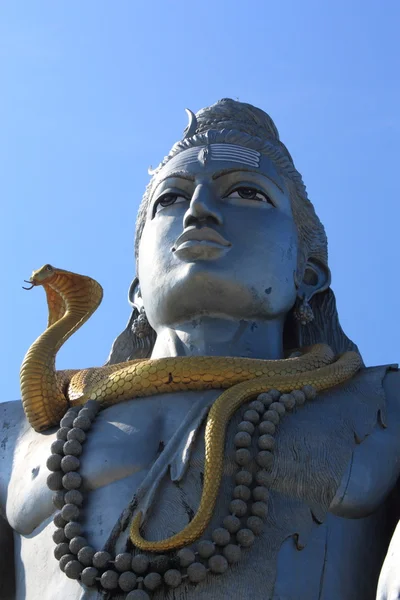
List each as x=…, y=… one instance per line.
x=93, y=92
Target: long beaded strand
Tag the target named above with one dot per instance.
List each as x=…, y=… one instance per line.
x=137, y=574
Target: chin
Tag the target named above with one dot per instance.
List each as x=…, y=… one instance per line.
x=201, y=288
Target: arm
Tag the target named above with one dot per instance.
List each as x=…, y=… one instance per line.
x=7, y=575
x=389, y=580
x=12, y=421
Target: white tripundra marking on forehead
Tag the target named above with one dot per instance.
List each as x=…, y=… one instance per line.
x=233, y=153
x=186, y=157
x=217, y=152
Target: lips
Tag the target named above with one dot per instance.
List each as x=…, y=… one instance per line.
x=202, y=234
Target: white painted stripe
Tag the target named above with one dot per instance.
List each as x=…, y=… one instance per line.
x=235, y=148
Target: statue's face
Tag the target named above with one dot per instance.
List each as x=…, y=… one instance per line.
x=219, y=238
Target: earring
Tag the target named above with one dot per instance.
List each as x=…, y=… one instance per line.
x=140, y=326
x=303, y=311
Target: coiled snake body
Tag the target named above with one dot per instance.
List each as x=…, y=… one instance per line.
x=47, y=393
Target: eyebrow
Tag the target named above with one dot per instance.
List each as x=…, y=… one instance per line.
x=217, y=174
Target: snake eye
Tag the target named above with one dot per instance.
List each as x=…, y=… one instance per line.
x=48, y=268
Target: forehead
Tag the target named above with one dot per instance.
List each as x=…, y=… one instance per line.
x=214, y=159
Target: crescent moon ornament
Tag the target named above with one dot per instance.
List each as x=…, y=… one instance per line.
x=192, y=125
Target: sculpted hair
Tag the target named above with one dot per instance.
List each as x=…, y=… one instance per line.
x=232, y=122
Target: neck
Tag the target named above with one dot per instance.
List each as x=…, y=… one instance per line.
x=218, y=336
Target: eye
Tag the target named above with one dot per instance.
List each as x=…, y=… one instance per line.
x=168, y=200
x=49, y=268
x=249, y=193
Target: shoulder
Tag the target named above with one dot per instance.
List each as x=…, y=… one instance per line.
x=391, y=384
x=374, y=466
x=391, y=388
x=13, y=424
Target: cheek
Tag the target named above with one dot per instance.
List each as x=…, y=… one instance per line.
x=266, y=259
x=155, y=250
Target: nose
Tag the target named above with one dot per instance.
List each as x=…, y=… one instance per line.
x=203, y=207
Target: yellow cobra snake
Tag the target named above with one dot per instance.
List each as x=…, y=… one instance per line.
x=47, y=393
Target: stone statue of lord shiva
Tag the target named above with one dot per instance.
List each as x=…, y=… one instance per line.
x=250, y=453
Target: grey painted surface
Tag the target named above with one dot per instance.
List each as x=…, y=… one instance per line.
x=337, y=459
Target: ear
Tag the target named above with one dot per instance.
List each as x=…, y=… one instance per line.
x=316, y=279
x=135, y=295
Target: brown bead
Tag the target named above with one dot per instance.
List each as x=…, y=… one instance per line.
x=299, y=397
x=259, y=509
x=127, y=581
x=160, y=564
x=218, y=564
x=242, y=492
x=85, y=412
x=206, y=548
x=186, y=557
x=89, y=575
x=58, y=498
x=242, y=457
x=173, y=578
x=238, y=508
x=64, y=560
x=54, y=481
x=265, y=398
x=231, y=523
x=109, y=580
x=260, y=493
x=53, y=463
x=62, y=433
x=77, y=543
x=72, y=529
x=83, y=423
x=70, y=512
x=70, y=463
x=74, y=497
x=232, y=553
x=221, y=536
x=266, y=428
x=197, y=572
x=252, y=416
x=245, y=537
x=85, y=555
x=152, y=581
x=310, y=392
x=101, y=559
x=242, y=439
x=263, y=478
x=123, y=562
x=266, y=442
x=72, y=447
x=255, y=524
x=140, y=564
x=243, y=477
x=68, y=419
x=265, y=459
x=61, y=549
x=247, y=427
x=77, y=435
x=288, y=401
x=59, y=536
x=279, y=407
x=72, y=480
x=73, y=569
x=257, y=406
x=59, y=520
x=271, y=415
